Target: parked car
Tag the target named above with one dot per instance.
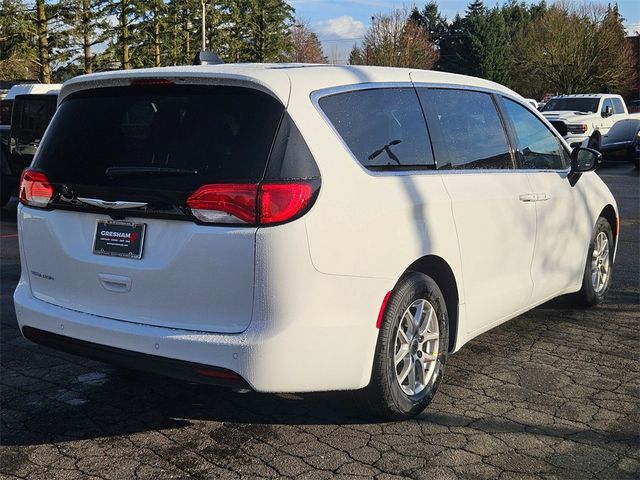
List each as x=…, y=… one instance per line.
x=288, y=228
x=6, y=104
x=28, y=116
x=583, y=120
x=623, y=137
x=6, y=85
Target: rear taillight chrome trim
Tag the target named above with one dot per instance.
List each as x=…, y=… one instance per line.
x=35, y=189
x=254, y=204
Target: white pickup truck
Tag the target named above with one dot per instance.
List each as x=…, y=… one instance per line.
x=584, y=120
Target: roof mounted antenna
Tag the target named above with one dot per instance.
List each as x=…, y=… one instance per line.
x=204, y=57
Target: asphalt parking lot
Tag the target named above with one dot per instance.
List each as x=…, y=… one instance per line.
x=554, y=393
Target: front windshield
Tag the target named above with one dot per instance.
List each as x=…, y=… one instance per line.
x=574, y=104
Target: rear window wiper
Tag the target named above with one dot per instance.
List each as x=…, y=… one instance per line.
x=129, y=171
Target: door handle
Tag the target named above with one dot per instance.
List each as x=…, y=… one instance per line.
x=115, y=283
x=528, y=197
x=542, y=197
x=534, y=197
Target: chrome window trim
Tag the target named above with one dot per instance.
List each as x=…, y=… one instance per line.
x=317, y=95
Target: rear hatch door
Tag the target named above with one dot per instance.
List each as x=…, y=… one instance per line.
x=119, y=240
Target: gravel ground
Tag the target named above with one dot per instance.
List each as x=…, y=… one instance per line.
x=554, y=393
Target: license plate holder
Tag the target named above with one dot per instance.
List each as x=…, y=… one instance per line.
x=119, y=239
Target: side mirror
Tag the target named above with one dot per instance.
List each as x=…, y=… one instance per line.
x=607, y=112
x=585, y=159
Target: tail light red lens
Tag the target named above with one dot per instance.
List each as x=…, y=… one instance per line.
x=250, y=203
x=225, y=203
x=280, y=202
x=35, y=189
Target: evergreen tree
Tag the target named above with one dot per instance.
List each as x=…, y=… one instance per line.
x=356, y=56
x=17, y=41
x=430, y=18
x=455, y=48
x=268, y=23
x=42, y=31
x=478, y=44
x=233, y=46
x=151, y=28
x=88, y=26
x=126, y=14
x=490, y=44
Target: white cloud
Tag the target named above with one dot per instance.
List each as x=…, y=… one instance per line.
x=344, y=27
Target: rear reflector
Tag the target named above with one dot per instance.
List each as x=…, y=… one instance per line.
x=383, y=308
x=250, y=203
x=35, y=189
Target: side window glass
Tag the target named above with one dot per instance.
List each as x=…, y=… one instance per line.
x=384, y=128
x=466, y=129
x=605, y=104
x=538, y=147
x=618, y=107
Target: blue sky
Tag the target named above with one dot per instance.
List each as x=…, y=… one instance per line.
x=339, y=23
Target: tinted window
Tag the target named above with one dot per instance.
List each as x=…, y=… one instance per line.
x=572, y=104
x=221, y=134
x=605, y=104
x=618, y=107
x=32, y=113
x=5, y=111
x=466, y=129
x=383, y=128
x=537, y=146
x=290, y=155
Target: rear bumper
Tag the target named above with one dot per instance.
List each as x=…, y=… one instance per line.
x=139, y=361
x=299, y=354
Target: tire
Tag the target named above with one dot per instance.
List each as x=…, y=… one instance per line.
x=385, y=396
x=593, y=290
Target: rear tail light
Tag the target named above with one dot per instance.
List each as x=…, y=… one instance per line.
x=251, y=203
x=225, y=203
x=35, y=189
x=280, y=202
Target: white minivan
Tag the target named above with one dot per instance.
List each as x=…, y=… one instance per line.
x=296, y=228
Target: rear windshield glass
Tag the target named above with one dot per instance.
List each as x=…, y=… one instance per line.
x=572, y=104
x=169, y=138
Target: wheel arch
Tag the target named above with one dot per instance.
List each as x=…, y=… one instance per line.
x=609, y=213
x=439, y=270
